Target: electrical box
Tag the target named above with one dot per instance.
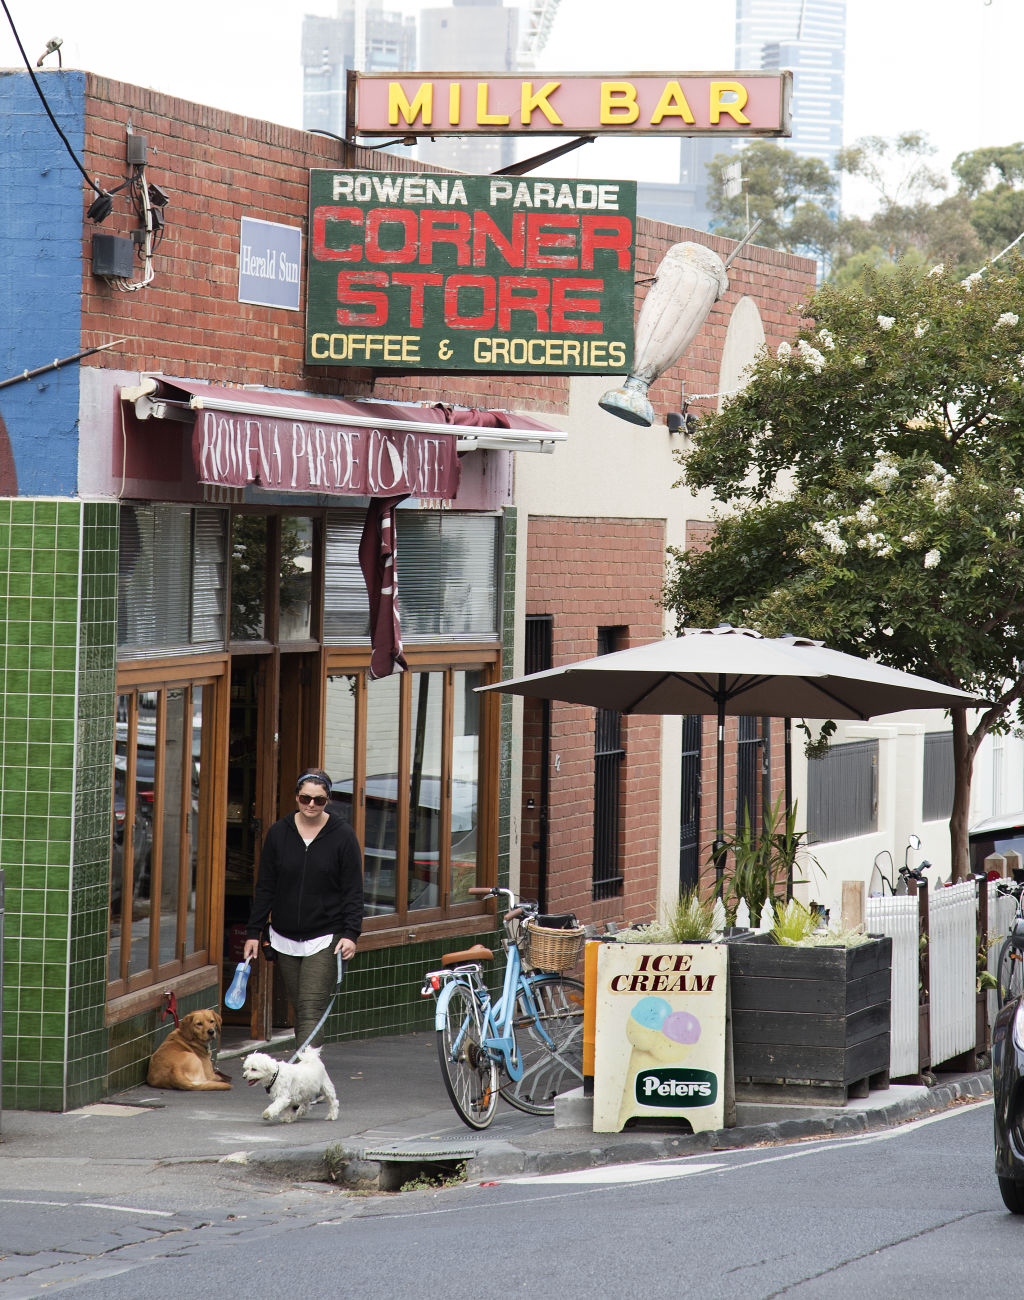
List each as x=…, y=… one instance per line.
x=136, y=149
x=113, y=256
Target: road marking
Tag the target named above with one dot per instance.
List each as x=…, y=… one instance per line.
x=87, y=1205
x=125, y=1209
x=648, y=1172
x=620, y=1173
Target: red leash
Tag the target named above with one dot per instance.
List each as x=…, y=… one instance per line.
x=170, y=1008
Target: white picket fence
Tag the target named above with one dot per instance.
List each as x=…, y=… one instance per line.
x=898, y=918
x=952, y=956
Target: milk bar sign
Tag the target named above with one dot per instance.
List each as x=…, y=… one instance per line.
x=423, y=271
x=647, y=103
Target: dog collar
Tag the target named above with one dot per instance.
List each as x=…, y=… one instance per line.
x=274, y=1079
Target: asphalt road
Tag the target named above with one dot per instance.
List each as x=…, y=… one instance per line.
x=913, y=1210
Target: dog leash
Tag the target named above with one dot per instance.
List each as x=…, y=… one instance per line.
x=320, y=1023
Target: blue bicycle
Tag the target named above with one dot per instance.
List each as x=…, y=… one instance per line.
x=528, y=1045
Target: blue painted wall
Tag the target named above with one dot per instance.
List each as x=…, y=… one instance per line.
x=41, y=218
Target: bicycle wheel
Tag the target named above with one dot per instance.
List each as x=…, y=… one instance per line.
x=469, y=1074
x=1011, y=972
x=547, y=1069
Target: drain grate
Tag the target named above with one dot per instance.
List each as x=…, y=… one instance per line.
x=420, y=1152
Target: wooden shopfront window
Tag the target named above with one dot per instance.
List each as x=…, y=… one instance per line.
x=414, y=763
x=165, y=838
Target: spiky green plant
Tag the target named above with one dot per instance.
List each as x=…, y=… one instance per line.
x=689, y=920
x=794, y=922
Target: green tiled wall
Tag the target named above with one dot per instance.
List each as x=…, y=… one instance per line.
x=57, y=659
x=381, y=990
x=39, y=552
x=97, y=680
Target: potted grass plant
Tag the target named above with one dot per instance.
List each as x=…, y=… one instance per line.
x=690, y=919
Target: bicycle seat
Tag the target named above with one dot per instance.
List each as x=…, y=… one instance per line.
x=477, y=953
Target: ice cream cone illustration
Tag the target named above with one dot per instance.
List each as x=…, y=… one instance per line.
x=659, y=1036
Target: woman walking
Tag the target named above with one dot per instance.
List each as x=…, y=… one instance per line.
x=310, y=888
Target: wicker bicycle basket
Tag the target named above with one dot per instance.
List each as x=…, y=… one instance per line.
x=555, y=950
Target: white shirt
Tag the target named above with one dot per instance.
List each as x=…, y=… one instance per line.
x=298, y=947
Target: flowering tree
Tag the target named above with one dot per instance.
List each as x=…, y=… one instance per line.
x=875, y=474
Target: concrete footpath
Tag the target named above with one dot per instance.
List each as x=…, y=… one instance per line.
x=396, y=1122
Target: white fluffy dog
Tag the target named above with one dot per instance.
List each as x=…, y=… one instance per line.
x=292, y=1088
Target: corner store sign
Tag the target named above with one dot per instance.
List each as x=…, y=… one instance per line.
x=425, y=271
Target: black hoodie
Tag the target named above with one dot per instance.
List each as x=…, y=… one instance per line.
x=309, y=890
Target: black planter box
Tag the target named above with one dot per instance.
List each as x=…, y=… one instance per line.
x=809, y=1023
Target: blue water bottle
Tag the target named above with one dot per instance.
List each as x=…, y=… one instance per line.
x=235, y=996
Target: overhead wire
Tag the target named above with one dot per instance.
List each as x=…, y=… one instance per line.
x=49, y=112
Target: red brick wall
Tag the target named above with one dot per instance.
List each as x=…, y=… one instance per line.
x=586, y=574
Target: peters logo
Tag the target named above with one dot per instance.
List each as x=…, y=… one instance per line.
x=676, y=1088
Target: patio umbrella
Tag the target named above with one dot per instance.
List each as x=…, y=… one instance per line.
x=726, y=670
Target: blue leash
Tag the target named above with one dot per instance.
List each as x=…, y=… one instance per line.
x=320, y=1023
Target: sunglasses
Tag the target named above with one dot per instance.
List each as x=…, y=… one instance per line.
x=318, y=799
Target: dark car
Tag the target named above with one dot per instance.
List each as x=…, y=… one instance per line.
x=1008, y=1090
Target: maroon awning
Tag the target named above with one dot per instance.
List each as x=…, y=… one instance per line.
x=298, y=442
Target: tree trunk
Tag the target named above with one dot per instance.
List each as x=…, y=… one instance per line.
x=965, y=746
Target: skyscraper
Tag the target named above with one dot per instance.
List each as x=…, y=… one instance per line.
x=807, y=36
x=804, y=36
x=363, y=35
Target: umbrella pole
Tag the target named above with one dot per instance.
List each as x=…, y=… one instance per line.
x=718, y=851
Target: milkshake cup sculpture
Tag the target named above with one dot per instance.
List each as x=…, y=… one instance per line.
x=659, y=1036
x=689, y=281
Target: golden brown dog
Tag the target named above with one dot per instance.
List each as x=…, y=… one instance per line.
x=183, y=1059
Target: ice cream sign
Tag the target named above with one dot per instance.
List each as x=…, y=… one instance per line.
x=660, y=1034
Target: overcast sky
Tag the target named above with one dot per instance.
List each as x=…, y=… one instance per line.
x=948, y=67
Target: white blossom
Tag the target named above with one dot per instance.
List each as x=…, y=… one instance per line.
x=866, y=514
x=932, y=559
x=920, y=329
x=811, y=356
x=829, y=534
x=883, y=472
x=826, y=340
x=969, y=283
x=860, y=361
x=886, y=322
x=784, y=350
x=1008, y=318
x=938, y=270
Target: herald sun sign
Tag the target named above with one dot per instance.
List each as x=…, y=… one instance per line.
x=665, y=103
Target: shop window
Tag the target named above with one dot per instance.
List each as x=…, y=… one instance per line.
x=171, y=579
x=249, y=549
x=274, y=578
x=295, y=578
x=448, y=577
x=412, y=744
x=161, y=849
